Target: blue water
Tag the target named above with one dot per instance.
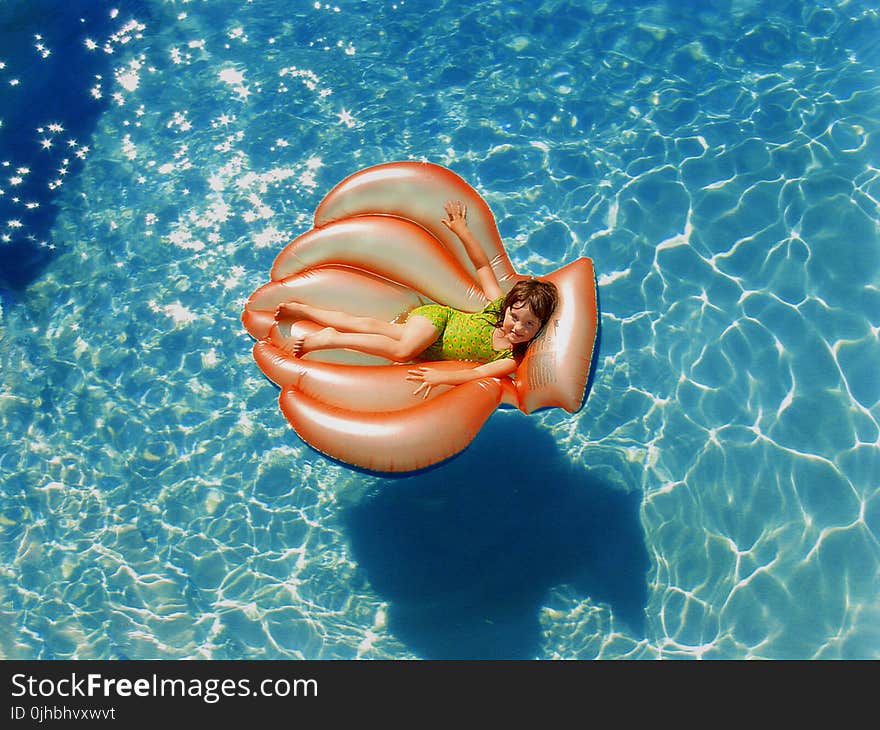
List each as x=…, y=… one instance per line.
x=719, y=494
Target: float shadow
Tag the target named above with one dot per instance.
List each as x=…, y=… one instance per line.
x=466, y=553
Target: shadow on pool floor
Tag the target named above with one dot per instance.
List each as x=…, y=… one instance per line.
x=49, y=115
x=466, y=553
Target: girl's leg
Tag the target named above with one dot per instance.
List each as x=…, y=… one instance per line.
x=339, y=320
x=416, y=335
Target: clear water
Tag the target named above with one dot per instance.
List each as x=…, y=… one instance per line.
x=716, y=497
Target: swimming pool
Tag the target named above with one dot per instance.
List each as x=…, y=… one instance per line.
x=716, y=497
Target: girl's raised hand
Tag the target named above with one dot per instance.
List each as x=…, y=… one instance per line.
x=456, y=213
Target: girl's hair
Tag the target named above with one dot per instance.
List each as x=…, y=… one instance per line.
x=541, y=296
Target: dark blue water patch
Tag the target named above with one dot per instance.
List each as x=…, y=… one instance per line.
x=466, y=553
x=49, y=106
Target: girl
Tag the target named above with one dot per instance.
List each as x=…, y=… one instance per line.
x=497, y=337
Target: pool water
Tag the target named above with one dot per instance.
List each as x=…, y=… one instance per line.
x=718, y=495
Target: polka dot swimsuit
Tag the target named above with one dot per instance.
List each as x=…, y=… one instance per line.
x=463, y=335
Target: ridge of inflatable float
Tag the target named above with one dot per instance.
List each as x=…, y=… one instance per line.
x=396, y=440
x=378, y=248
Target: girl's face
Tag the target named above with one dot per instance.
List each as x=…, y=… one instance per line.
x=520, y=323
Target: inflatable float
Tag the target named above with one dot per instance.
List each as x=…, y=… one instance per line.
x=378, y=248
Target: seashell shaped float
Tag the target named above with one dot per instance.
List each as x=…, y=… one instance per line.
x=378, y=249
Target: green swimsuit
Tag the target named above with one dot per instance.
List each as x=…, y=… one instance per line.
x=463, y=335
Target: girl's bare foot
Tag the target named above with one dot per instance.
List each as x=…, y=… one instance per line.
x=303, y=344
x=292, y=345
x=292, y=311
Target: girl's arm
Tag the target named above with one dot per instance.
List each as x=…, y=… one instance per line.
x=429, y=377
x=457, y=223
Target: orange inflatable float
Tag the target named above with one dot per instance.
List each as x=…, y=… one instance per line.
x=378, y=249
